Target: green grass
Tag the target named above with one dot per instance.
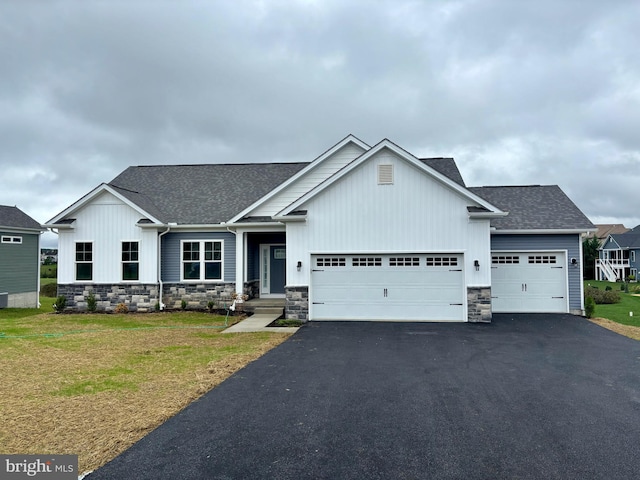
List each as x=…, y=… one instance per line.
x=23, y=321
x=96, y=393
x=49, y=271
x=619, y=312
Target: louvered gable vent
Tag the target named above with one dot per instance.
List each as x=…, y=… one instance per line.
x=385, y=174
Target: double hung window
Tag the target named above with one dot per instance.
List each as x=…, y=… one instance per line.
x=84, y=261
x=130, y=261
x=202, y=259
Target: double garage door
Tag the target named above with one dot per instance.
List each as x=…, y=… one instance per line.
x=529, y=282
x=418, y=287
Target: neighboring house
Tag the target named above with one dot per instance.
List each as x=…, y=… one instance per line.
x=360, y=233
x=19, y=259
x=604, y=230
x=619, y=256
x=49, y=256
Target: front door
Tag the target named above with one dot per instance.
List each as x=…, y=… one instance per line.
x=273, y=260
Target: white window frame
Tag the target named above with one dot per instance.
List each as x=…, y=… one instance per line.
x=632, y=256
x=122, y=261
x=201, y=259
x=77, y=262
x=12, y=239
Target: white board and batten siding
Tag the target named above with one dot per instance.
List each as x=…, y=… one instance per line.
x=416, y=215
x=106, y=222
x=310, y=180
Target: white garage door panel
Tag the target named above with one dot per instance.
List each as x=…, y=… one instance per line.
x=384, y=290
x=529, y=282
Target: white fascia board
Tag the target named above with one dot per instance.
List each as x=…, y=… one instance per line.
x=103, y=187
x=541, y=231
x=312, y=166
x=220, y=226
x=23, y=230
x=482, y=215
x=402, y=154
x=291, y=218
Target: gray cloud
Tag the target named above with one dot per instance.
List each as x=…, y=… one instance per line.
x=518, y=92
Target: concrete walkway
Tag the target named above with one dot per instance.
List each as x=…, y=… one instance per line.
x=258, y=323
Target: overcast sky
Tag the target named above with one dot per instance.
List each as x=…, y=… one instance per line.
x=518, y=92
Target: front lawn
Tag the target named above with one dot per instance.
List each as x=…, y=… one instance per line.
x=94, y=384
x=619, y=312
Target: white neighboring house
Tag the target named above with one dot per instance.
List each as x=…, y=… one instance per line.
x=359, y=233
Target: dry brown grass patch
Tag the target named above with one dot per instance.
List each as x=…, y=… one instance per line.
x=95, y=394
x=626, y=330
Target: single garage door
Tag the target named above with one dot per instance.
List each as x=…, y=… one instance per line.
x=529, y=282
x=417, y=287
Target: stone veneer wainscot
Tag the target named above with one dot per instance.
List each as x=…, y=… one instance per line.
x=137, y=297
x=479, y=304
x=296, y=305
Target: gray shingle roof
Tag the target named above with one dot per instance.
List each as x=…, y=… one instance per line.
x=15, y=218
x=534, y=207
x=201, y=194
x=445, y=166
x=630, y=239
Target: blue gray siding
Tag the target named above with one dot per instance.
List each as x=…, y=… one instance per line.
x=610, y=245
x=634, y=264
x=253, y=251
x=570, y=243
x=171, y=253
x=19, y=264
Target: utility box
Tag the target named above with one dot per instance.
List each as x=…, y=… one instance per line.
x=4, y=299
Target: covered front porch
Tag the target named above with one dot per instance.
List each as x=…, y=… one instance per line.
x=263, y=264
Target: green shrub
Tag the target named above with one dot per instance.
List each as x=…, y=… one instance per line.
x=183, y=304
x=283, y=322
x=600, y=297
x=608, y=288
x=92, y=303
x=49, y=290
x=61, y=303
x=589, y=307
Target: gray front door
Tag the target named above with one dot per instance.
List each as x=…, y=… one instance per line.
x=278, y=259
x=273, y=260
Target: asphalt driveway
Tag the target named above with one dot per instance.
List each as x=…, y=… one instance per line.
x=528, y=396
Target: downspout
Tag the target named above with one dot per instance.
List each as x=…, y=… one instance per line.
x=57, y=263
x=38, y=274
x=160, y=286
x=235, y=233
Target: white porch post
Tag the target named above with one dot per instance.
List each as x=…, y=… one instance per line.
x=240, y=235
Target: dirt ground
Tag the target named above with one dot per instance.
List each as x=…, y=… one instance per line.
x=626, y=330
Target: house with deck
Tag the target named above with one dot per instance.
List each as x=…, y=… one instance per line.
x=619, y=257
x=360, y=233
